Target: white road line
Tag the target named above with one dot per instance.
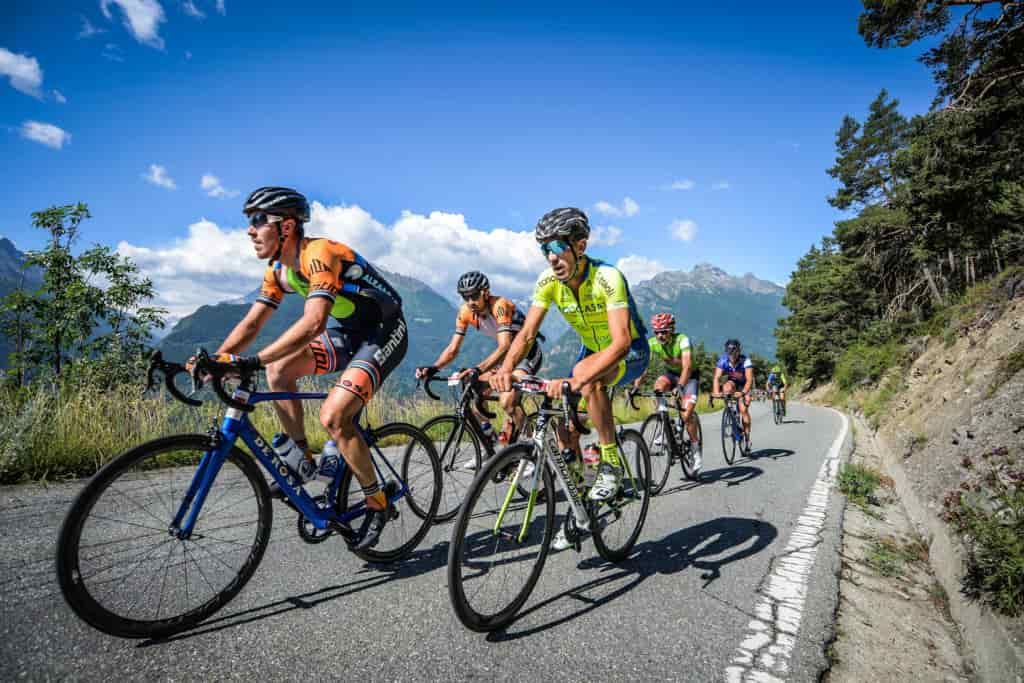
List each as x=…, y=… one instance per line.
x=764, y=654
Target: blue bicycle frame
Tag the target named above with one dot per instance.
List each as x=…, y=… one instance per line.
x=237, y=424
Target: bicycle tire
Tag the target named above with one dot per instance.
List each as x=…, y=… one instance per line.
x=652, y=429
x=455, y=479
x=82, y=593
x=634, y=492
x=472, y=533
x=728, y=437
x=398, y=540
x=686, y=462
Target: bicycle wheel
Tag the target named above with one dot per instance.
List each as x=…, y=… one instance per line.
x=457, y=446
x=686, y=462
x=409, y=452
x=660, y=448
x=123, y=573
x=728, y=437
x=619, y=521
x=491, y=572
x=777, y=410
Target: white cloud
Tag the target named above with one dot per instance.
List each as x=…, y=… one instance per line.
x=112, y=51
x=58, y=96
x=221, y=9
x=214, y=263
x=190, y=9
x=604, y=236
x=629, y=208
x=88, y=29
x=685, y=184
x=158, y=176
x=637, y=269
x=211, y=184
x=45, y=134
x=142, y=18
x=23, y=72
x=721, y=185
x=683, y=229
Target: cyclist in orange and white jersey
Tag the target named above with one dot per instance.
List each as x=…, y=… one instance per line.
x=499, y=319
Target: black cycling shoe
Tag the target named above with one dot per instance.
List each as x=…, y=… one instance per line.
x=375, y=520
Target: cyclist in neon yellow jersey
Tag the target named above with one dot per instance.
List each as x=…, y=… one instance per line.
x=594, y=298
x=674, y=349
x=777, y=382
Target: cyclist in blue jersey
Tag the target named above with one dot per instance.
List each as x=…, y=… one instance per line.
x=734, y=373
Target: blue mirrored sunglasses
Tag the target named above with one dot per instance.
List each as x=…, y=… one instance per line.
x=556, y=247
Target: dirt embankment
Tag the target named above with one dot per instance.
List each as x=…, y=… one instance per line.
x=962, y=401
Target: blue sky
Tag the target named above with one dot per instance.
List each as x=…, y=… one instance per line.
x=434, y=135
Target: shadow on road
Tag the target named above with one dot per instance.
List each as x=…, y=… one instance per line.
x=730, y=476
x=707, y=546
x=773, y=453
x=370, y=576
x=792, y=422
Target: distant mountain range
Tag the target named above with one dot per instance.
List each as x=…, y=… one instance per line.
x=710, y=305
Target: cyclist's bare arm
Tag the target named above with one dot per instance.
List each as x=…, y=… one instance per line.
x=749, y=372
x=247, y=329
x=492, y=361
x=523, y=342
x=607, y=358
x=450, y=352
x=305, y=329
x=684, y=369
x=716, y=389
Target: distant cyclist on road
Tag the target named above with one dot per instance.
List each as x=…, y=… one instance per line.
x=595, y=300
x=674, y=349
x=352, y=322
x=734, y=373
x=777, y=383
x=499, y=319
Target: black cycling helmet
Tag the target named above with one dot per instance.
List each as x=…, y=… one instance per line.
x=733, y=345
x=278, y=201
x=569, y=222
x=472, y=282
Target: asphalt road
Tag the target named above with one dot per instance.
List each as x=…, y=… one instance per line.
x=678, y=609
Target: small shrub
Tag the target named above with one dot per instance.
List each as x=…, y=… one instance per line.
x=858, y=484
x=864, y=362
x=988, y=510
x=885, y=557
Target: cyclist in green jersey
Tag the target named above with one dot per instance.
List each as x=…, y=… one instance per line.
x=674, y=349
x=777, y=382
x=595, y=300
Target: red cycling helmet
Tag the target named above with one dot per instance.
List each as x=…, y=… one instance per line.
x=663, y=321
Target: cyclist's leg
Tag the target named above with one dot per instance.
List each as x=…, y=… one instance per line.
x=283, y=375
x=688, y=397
x=372, y=362
x=744, y=414
x=511, y=402
x=600, y=410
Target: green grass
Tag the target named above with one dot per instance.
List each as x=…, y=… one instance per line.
x=858, y=484
x=988, y=509
x=885, y=557
x=49, y=433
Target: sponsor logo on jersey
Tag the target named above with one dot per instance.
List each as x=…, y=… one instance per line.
x=318, y=266
x=394, y=339
x=354, y=272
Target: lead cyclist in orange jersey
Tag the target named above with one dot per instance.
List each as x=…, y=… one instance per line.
x=352, y=322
